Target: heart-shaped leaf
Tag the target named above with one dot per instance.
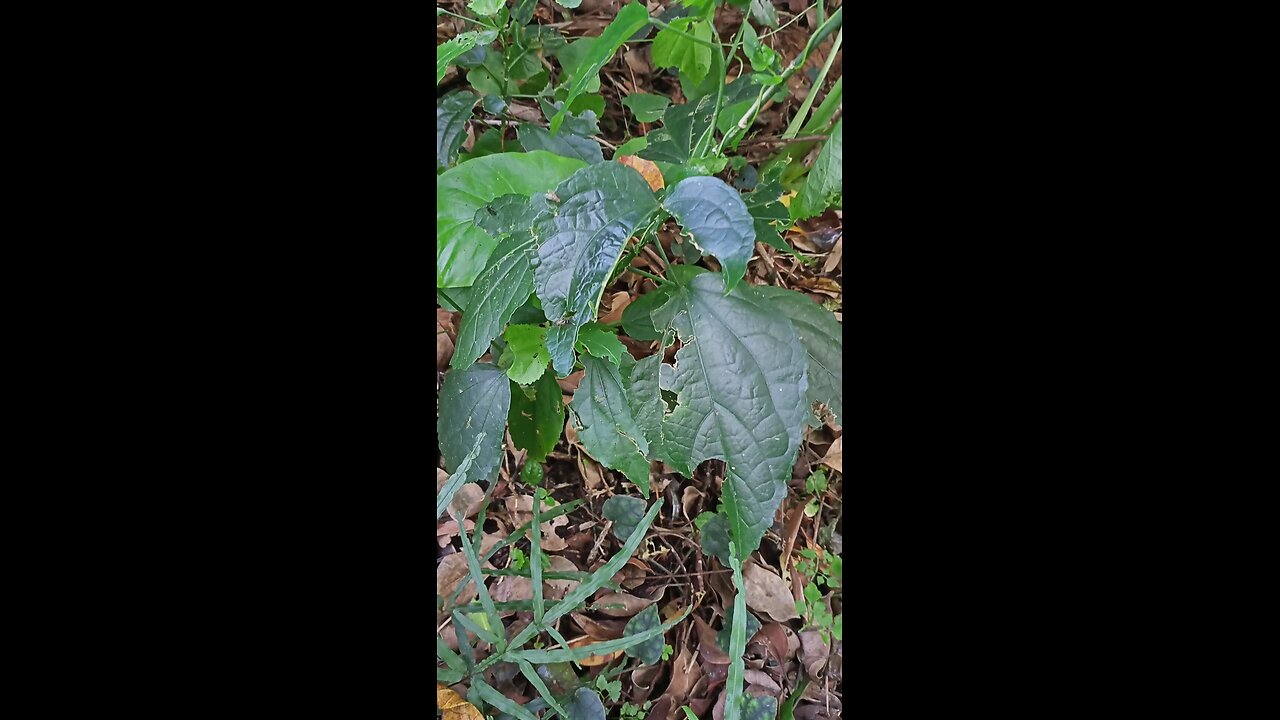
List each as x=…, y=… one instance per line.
x=649, y=651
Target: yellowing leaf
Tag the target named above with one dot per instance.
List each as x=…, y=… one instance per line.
x=454, y=707
x=593, y=660
x=648, y=169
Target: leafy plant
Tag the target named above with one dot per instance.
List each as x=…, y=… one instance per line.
x=532, y=230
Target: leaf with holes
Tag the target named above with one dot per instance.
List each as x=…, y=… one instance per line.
x=676, y=47
x=463, y=248
x=528, y=347
x=609, y=432
x=473, y=401
x=717, y=221
x=740, y=383
x=600, y=206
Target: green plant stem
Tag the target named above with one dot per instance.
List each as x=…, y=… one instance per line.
x=452, y=302
x=651, y=276
x=789, y=22
x=700, y=149
x=798, y=121
x=463, y=17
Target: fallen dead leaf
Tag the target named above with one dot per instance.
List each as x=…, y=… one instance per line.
x=620, y=604
x=453, y=707
x=617, y=303
x=444, y=339
x=442, y=477
x=600, y=629
x=467, y=500
x=647, y=169
x=813, y=654
x=592, y=660
x=520, y=508
x=836, y=254
x=709, y=651
x=761, y=679
x=556, y=589
x=451, y=571
x=768, y=594
x=684, y=675
x=835, y=455
x=569, y=384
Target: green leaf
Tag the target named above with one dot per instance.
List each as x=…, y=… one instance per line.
x=446, y=53
x=715, y=537
x=635, y=317
x=641, y=380
x=448, y=656
x=485, y=7
x=717, y=221
x=823, y=186
x=585, y=103
x=758, y=707
x=448, y=676
x=527, y=670
x=599, y=342
x=490, y=614
x=570, y=4
x=473, y=401
x=585, y=705
x=462, y=248
x=503, y=286
x=740, y=381
x=626, y=512
x=723, y=638
x=565, y=144
x=571, y=57
x=822, y=337
x=671, y=50
x=459, y=476
x=764, y=13
x=628, y=20
x=646, y=108
x=537, y=417
x=579, y=123
x=769, y=216
x=632, y=146
x=452, y=113
x=600, y=207
x=608, y=431
x=649, y=652
x=511, y=214
x=528, y=346
x=762, y=57
x=737, y=637
x=682, y=126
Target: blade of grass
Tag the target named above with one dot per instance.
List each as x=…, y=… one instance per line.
x=464, y=643
x=528, y=572
x=820, y=123
x=449, y=657
x=551, y=630
x=527, y=670
x=447, y=676
x=500, y=701
x=473, y=565
x=515, y=536
x=457, y=479
x=788, y=709
x=606, y=647
x=737, y=640
x=535, y=559
x=486, y=634
x=796, y=122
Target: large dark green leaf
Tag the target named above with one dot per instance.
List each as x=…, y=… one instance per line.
x=626, y=512
x=635, y=318
x=504, y=286
x=511, y=214
x=821, y=335
x=717, y=221
x=646, y=108
x=537, y=416
x=566, y=144
x=715, y=537
x=473, y=401
x=452, y=113
x=645, y=400
x=608, y=431
x=740, y=383
x=628, y=20
x=600, y=206
x=580, y=123
x=682, y=125
x=462, y=248
x=650, y=651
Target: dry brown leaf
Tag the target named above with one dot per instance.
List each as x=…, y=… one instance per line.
x=691, y=502
x=813, y=653
x=592, y=660
x=454, y=707
x=707, y=648
x=621, y=604
x=569, y=384
x=617, y=303
x=444, y=339
x=600, y=629
x=836, y=254
x=449, y=528
x=768, y=594
x=835, y=455
x=451, y=571
x=442, y=477
x=467, y=500
x=556, y=589
x=520, y=507
x=647, y=169
x=761, y=679
x=823, y=285
x=684, y=675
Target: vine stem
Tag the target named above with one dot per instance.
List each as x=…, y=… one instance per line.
x=651, y=276
x=452, y=302
x=661, y=25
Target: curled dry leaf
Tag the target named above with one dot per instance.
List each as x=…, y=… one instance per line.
x=691, y=502
x=467, y=500
x=444, y=339
x=708, y=649
x=520, y=508
x=835, y=455
x=768, y=594
x=570, y=384
x=442, y=477
x=453, y=707
x=617, y=303
x=685, y=673
x=762, y=680
x=593, y=660
x=451, y=571
x=643, y=680
x=620, y=604
x=813, y=653
x=600, y=630
x=646, y=168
